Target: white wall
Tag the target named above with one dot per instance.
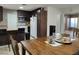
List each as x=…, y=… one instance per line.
x=56, y=17
x=70, y=10
x=53, y=18
x=62, y=23
x=12, y=20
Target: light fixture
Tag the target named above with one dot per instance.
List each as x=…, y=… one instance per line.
x=21, y=7
x=24, y=4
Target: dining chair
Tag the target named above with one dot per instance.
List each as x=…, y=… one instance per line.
x=76, y=31
x=78, y=34
x=14, y=45
x=19, y=36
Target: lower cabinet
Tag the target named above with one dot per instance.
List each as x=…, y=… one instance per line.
x=4, y=40
x=27, y=36
x=18, y=35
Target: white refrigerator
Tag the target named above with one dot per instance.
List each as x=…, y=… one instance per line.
x=33, y=27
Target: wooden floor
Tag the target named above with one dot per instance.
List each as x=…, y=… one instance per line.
x=4, y=50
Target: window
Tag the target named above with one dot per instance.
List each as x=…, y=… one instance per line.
x=73, y=22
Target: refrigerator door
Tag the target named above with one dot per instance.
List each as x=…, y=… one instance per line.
x=33, y=27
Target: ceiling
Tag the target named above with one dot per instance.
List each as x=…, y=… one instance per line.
x=26, y=6
x=34, y=6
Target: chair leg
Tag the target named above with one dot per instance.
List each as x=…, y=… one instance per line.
x=9, y=47
x=8, y=42
x=76, y=34
x=23, y=51
x=73, y=34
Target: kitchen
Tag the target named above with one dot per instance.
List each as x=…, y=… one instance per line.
x=56, y=18
x=19, y=21
x=34, y=23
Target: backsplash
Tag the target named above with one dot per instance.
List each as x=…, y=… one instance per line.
x=3, y=25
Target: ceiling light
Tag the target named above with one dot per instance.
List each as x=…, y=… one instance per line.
x=21, y=7
x=24, y=4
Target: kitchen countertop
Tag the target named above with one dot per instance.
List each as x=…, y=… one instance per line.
x=3, y=26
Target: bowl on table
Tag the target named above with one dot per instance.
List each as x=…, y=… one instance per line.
x=66, y=40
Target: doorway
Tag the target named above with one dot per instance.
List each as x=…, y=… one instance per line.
x=71, y=22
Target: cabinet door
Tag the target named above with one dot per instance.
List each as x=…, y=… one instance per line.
x=22, y=13
x=38, y=24
x=42, y=24
x=1, y=13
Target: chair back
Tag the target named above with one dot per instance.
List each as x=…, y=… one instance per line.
x=14, y=45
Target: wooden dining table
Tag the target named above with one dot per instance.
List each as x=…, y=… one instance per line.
x=40, y=47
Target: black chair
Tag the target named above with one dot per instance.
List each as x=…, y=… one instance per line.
x=14, y=45
x=17, y=35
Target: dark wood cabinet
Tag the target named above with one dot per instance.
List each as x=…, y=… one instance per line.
x=27, y=36
x=24, y=15
x=21, y=13
x=1, y=13
x=3, y=37
x=42, y=23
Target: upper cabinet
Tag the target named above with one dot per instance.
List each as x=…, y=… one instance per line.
x=23, y=15
x=1, y=13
